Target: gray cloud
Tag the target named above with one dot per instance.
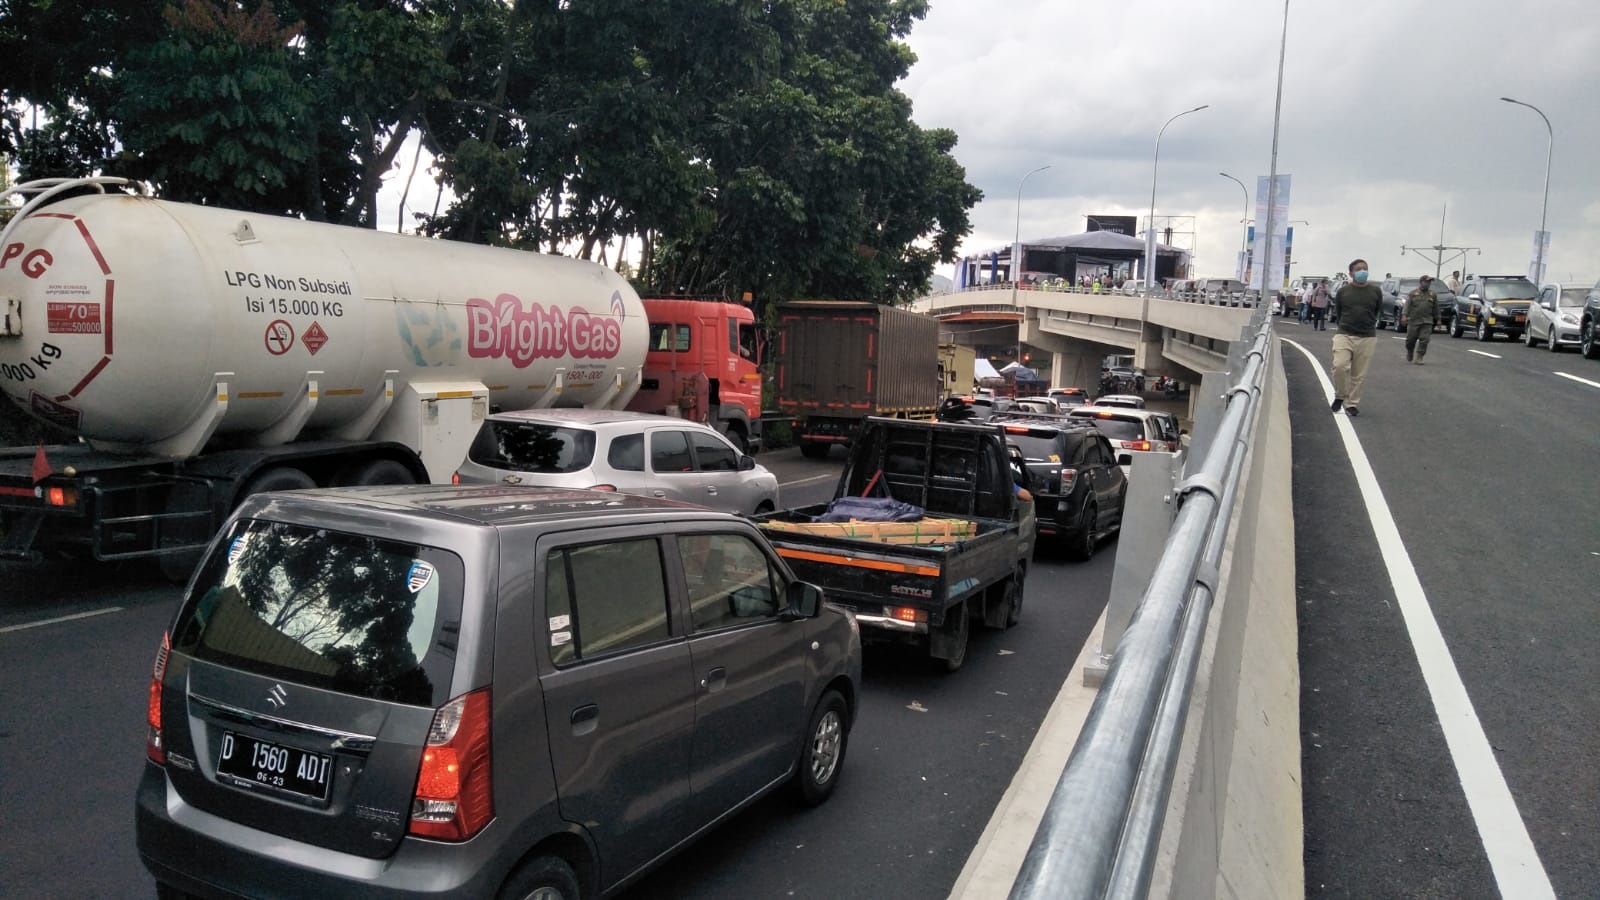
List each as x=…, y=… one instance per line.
x=1390, y=111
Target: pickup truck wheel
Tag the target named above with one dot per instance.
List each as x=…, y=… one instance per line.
x=813, y=449
x=1018, y=581
x=1589, y=342
x=542, y=878
x=1082, y=546
x=959, y=631
x=822, y=755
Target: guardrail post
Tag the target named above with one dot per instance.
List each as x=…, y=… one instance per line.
x=1147, y=518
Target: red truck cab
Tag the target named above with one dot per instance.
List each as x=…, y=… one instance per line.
x=702, y=363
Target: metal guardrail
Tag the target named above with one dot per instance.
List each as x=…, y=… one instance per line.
x=1100, y=831
x=1250, y=298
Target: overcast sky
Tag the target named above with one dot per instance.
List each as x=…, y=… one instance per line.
x=1390, y=112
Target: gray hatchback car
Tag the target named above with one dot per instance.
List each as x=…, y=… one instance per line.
x=432, y=691
x=634, y=453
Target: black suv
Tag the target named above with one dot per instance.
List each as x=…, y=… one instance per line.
x=1589, y=325
x=1490, y=304
x=1396, y=291
x=1078, y=488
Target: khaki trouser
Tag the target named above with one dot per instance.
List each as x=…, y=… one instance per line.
x=1417, y=336
x=1351, y=356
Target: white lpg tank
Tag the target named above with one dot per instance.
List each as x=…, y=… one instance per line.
x=132, y=321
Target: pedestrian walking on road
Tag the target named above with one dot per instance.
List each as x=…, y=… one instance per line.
x=1319, y=307
x=1305, y=302
x=1419, y=312
x=1356, y=339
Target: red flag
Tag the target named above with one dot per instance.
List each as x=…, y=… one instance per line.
x=41, y=466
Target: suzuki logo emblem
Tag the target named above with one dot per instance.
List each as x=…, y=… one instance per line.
x=277, y=696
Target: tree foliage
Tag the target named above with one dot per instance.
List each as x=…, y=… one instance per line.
x=743, y=145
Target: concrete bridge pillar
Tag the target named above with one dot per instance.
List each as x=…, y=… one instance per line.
x=1077, y=368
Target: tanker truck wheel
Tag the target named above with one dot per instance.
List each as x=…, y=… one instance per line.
x=375, y=471
x=278, y=478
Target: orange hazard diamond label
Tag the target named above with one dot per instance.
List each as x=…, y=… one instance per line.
x=314, y=338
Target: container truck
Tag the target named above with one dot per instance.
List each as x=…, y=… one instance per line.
x=842, y=361
x=203, y=355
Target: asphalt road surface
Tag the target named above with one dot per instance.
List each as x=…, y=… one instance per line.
x=1487, y=463
x=929, y=758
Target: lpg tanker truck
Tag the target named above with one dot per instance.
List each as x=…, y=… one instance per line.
x=202, y=355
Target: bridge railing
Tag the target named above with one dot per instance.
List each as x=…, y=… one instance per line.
x=1212, y=298
x=1100, y=831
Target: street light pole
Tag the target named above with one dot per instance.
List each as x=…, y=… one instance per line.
x=1244, y=223
x=1150, y=225
x=1545, y=208
x=1016, y=252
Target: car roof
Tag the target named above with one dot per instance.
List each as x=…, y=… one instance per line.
x=1056, y=421
x=580, y=416
x=491, y=505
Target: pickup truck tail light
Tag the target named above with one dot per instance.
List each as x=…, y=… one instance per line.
x=1068, y=478
x=1136, y=445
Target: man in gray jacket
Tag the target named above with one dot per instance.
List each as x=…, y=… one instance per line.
x=1359, y=302
x=1419, y=314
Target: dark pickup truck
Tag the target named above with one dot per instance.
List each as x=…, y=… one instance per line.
x=923, y=581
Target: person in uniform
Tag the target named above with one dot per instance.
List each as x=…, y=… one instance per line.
x=1419, y=312
x=1357, y=338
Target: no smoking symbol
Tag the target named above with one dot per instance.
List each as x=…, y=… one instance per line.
x=279, y=337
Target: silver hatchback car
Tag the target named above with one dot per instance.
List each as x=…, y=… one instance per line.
x=613, y=450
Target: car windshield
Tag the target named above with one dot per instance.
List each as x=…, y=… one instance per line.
x=1512, y=289
x=347, y=612
x=1573, y=296
x=532, y=447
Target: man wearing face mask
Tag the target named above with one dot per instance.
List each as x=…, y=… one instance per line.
x=1357, y=339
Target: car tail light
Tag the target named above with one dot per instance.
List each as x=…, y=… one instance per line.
x=1136, y=445
x=454, y=799
x=1068, y=478
x=455, y=477
x=604, y=487
x=154, y=747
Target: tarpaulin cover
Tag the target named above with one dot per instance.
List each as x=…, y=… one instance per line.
x=870, y=509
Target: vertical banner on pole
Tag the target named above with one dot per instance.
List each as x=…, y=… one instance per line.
x=1270, y=259
x=1536, y=268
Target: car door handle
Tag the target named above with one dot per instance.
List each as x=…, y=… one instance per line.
x=661, y=494
x=585, y=719
x=711, y=489
x=715, y=680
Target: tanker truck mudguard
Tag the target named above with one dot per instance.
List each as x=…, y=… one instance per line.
x=925, y=581
x=839, y=362
x=201, y=355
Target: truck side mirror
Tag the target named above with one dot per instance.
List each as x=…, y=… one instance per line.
x=804, y=600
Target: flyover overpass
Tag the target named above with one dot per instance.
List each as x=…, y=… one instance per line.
x=1182, y=335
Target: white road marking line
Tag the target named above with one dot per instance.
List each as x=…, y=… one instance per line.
x=814, y=478
x=1512, y=856
x=1481, y=353
x=59, y=619
x=1593, y=384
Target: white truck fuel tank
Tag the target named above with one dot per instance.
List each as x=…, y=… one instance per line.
x=153, y=326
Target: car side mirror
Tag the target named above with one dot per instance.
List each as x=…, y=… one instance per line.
x=804, y=600
x=1474, y=297
x=1549, y=304
x=746, y=463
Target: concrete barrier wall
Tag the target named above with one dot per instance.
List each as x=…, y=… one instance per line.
x=1233, y=826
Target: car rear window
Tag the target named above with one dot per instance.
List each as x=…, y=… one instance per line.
x=346, y=612
x=532, y=447
x=1118, y=429
x=1037, y=447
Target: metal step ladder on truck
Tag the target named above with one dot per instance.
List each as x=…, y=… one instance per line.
x=203, y=355
x=921, y=582
x=839, y=362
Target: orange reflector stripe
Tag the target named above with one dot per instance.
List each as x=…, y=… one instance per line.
x=858, y=563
